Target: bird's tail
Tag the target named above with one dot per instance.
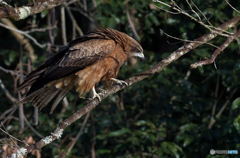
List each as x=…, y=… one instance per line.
x=30, y=79
x=45, y=95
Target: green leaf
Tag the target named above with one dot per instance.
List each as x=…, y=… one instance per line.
x=103, y=151
x=171, y=149
x=236, y=103
x=236, y=123
x=119, y=132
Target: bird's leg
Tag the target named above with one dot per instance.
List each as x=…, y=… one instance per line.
x=95, y=94
x=120, y=82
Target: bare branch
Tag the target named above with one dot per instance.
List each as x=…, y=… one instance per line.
x=21, y=39
x=7, y=93
x=74, y=141
x=219, y=114
x=24, y=33
x=232, y=7
x=185, y=40
x=217, y=52
x=132, y=26
x=90, y=105
x=41, y=29
x=8, y=71
x=79, y=30
x=63, y=26
x=211, y=28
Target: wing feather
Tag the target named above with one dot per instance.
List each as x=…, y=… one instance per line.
x=77, y=57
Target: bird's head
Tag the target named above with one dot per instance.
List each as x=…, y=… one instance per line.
x=131, y=47
x=134, y=49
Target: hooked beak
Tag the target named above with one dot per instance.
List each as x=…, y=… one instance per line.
x=139, y=55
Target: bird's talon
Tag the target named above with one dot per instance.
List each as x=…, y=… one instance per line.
x=120, y=82
x=95, y=94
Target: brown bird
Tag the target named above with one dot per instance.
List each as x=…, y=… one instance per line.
x=85, y=62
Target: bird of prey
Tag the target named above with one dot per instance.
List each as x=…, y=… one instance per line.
x=82, y=64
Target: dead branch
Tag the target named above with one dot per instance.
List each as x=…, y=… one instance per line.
x=132, y=25
x=11, y=72
x=90, y=105
x=18, y=13
x=21, y=39
x=219, y=114
x=217, y=52
x=7, y=93
x=14, y=29
x=173, y=5
x=74, y=140
x=232, y=6
x=63, y=26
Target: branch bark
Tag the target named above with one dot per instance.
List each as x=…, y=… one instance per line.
x=18, y=13
x=90, y=105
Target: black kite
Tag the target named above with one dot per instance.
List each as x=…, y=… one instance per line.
x=85, y=62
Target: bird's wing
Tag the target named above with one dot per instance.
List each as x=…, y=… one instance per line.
x=83, y=54
x=77, y=57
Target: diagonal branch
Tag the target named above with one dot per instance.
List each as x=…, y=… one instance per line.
x=14, y=29
x=21, y=39
x=90, y=105
x=217, y=52
x=7, y=93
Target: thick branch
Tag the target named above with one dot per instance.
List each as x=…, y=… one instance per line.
x=90, y=105
x=18, y=13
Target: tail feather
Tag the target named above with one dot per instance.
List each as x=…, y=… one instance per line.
x=30, y=79
x=41, y=103
x=60, y=96
x=45, y=95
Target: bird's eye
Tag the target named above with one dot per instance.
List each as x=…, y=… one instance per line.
x=135, y=50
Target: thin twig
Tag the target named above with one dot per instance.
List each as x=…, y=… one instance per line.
x=185, y=40
x=7, y=93
x=74, y=141
x=40, y=29
x=132, y=26
x=232, y=7
x=25, y=34
x=218, y=115
x=33, y=129
x=11, y=72
x=63, y=25
x=213, y=29
x=217, y=52
x=79, y=30
x=13, y=137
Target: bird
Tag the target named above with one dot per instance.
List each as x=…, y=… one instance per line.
x=82, y=64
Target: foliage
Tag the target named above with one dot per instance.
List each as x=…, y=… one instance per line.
x=167, y=115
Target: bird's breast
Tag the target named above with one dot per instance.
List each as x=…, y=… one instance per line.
x=103, y=69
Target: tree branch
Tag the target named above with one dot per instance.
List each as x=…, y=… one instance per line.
x=21, y=39
x=90, y=105
x=7, y=93
x=217, y=52
x=14, y=29
x=18, y=13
